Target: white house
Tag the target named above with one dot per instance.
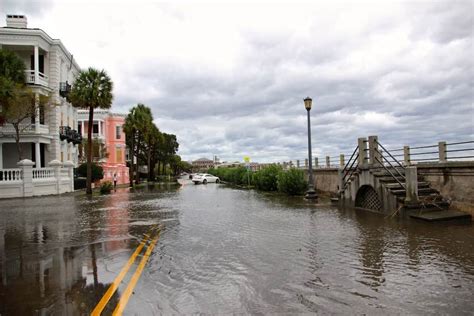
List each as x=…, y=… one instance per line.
x=50, y=140
x=51, y=70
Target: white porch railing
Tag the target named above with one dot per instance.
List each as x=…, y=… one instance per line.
x=30, y=78
x=25, y=129
x=27, y=181
x=10, y=175
x=43, y=173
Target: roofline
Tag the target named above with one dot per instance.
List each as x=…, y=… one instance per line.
x=101, y=111
x=44, y=35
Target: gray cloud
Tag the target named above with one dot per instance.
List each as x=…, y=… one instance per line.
x=28, y=7
x=403, y=71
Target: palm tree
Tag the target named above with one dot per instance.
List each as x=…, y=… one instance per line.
x=91, y=90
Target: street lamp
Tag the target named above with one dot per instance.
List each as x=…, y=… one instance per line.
x=310, y=194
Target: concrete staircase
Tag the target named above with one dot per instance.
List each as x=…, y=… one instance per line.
x=431, y=205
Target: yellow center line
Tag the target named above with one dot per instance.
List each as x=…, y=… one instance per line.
x=133, y=281
x=113, y=287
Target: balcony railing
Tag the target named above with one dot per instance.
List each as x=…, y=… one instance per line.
x=25, y=129
x=42, y=78
x=64, y=89
x=70, y=135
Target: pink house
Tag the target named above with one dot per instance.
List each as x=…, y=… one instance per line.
x=107, y=128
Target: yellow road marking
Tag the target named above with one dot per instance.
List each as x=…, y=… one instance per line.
x=133, y=281
x=113, y=287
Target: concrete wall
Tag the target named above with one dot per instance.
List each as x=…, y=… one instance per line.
x=454, y=180
x=325, y=179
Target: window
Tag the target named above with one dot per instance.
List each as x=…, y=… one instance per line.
x=118, y=155
x=95, y=128
x=118, y=132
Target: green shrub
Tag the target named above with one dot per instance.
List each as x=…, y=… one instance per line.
x=292, y=182
x=237, y=175
x=97, y=171
x=266, y=179
x=106, y=187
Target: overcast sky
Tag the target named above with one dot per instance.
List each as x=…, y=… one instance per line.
x=229, y=78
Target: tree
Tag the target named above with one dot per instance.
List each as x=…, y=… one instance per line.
x=168, y=147
x=99, y=151
x=97, y=171
x=18, y=103
x=152, y=139
x=138, y=121
x=91, y=90
x=21, y=106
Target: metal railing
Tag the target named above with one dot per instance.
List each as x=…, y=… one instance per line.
x=349, y=169
x=388, y=166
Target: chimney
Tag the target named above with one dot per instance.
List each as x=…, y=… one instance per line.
x=16, y=21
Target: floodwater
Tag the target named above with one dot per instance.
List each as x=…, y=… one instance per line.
x=228, y=251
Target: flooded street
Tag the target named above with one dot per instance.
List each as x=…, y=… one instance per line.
x=228, y=251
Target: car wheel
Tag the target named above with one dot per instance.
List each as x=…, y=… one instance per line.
x=205, y=181
x=217, y=181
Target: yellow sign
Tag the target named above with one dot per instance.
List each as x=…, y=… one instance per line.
x=247, y=159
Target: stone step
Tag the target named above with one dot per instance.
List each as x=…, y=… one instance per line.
x=421, y=185
x=421, y=191
x=425, y=206
x=440, y=215
x=390, y=179
x=387, y=174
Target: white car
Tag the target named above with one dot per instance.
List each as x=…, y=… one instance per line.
x=205, y=178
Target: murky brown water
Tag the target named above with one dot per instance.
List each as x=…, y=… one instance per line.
x=228, y=251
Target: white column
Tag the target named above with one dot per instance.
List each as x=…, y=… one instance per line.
x=99, y=123
x=36, y=60
x=38, y=155
x=37, y=114
x=1, y=156
x=82, y=129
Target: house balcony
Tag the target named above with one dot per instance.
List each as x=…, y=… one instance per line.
x=70, y=135
x=27, y=129
x=64, y=89
x=31, y=78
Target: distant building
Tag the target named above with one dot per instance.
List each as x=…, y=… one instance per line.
x=202, y=164
x=107, y=128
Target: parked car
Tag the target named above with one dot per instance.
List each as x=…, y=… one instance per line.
x=205, y=178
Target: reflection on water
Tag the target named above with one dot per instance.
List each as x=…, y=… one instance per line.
x=225, y=251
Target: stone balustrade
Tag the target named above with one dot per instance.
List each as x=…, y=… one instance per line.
x=26, y=181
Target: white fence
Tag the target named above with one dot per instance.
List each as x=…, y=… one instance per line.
x=26, y=181
x=10, y=175
x=43, y=173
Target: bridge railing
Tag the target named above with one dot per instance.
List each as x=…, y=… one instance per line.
x=404, y=156
x=441, y=152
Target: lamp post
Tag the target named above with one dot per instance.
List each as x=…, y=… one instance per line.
x=310, y=194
